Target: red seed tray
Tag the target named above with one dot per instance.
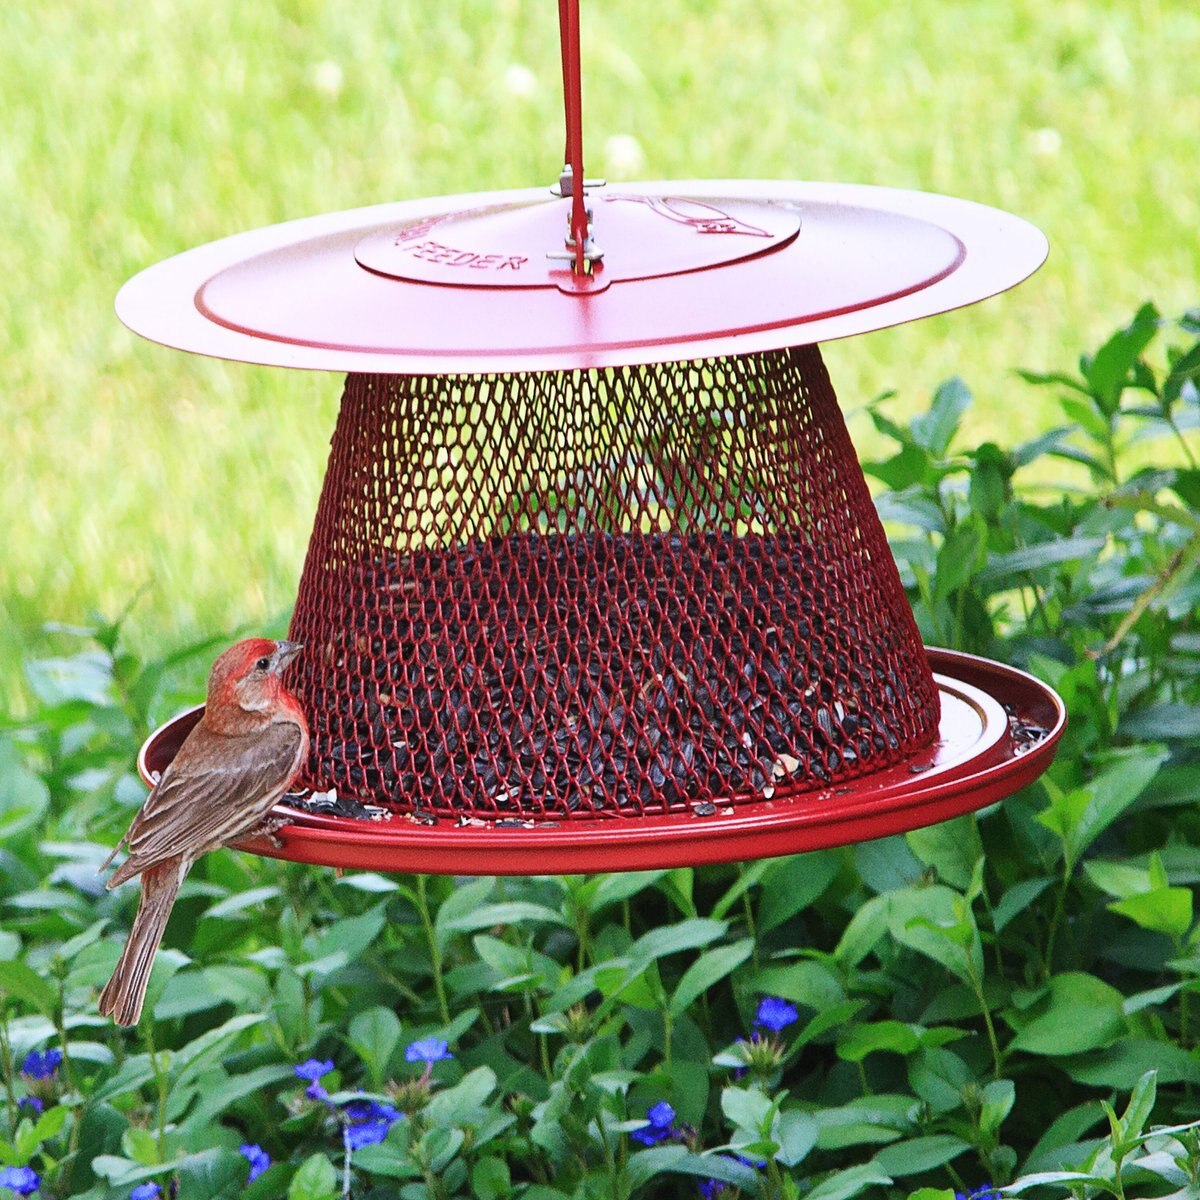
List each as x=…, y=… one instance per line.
x=998, y=732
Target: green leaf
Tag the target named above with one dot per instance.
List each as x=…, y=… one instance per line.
x=939, y=1077
x=490, y=1179
x=1165, y=910
x=795, y=1133
x=909, y=466
x=996, y=1099
x=384, y=1158
x=1016, y=900
x=870, y=1120
x=502, y=916
x=459, y=904
x=1041, y=379
x=886, y=864
x=236, y=904
x=747, y=1109
x=26, y=985
x=1108, y=372
x=792, y=884
x=212, y=1175
x=1081, y=1013
x=1081, y=816
x=85, y=677
x=1005, y=568
x=951, y=847
x=714, y=1165
x=1129, y=1058
x=193, y=1056
x=868, y=925
x=1118, y=879
x=671, y=939
x=1139, y=1108
x=315, y=1180
x=351, y=936
x=748, y=876
x=814, y=984
x=826, y=1019
x=860, y=1040
x=919, y=1154
x=960, y=557
x=646, y=1164
x=141, y=1145
x=933, y=430
x=711, y=967
x=841, y=1185
x=937, y=922
x=441, y=1146
x=1178, y=722
x=463, y=1103
x=50, y=1123
x=24, y=796
x=1043, y=1178
x=374, y=1035
x=614, y=889
x=367, y=881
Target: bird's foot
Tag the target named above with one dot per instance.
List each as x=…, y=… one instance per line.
x=268, y=829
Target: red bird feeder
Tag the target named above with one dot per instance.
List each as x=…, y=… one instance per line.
x=596, y=582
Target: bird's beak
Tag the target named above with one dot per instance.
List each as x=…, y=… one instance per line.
x=285, y=652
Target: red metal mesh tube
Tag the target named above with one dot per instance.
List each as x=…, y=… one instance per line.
x=623, y=591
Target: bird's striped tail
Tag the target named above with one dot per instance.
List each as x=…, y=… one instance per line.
x=125, y=992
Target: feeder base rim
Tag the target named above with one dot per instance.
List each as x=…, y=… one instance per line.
x=970, y=767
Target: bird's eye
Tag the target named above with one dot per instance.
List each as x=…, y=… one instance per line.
x=262, y=664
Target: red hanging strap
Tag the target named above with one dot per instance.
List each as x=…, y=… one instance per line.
x=568, y=18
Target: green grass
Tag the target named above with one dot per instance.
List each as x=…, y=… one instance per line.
x=135, y=130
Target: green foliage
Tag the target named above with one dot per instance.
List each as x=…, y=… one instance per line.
x=1004, y=999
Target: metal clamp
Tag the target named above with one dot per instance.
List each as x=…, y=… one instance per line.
x=566, y=182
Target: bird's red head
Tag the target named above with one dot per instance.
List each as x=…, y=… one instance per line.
x=245, y=684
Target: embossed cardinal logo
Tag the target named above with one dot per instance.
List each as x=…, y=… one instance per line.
x=702, y=217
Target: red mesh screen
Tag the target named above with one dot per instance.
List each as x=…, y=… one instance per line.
x=619, y=591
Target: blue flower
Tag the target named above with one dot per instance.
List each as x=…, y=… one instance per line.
x=428, y=1050
x=775, y=1014
x=259, y=1159
x=315, y=1091
x=33, y=1103
x=314, y=1068
x=660, y=1116
x=985, y=1191
x=41, y=1064
x=24, y=1181
x=369, y=1122
x=145, y=1191
x=711, y=1187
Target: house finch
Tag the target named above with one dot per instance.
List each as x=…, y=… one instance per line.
x=237, y=761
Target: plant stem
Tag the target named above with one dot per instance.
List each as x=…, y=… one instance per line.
x=160, y=1081
x=435, y=954
x=751, y=924
x=6, y=1065
x=1055, y=922
x=977, y=988
x=68, y=1075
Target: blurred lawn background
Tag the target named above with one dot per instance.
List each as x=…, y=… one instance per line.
x=134, y=130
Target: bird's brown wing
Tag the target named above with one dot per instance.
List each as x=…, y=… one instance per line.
x=215, y=791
